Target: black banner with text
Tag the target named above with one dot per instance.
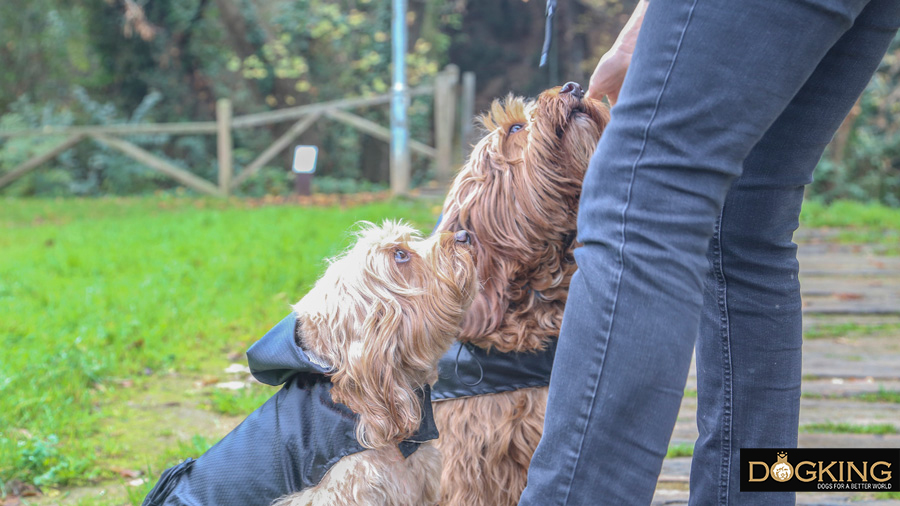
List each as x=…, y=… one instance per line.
x=820, y=470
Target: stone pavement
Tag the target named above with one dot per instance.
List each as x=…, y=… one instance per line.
x=851, y=299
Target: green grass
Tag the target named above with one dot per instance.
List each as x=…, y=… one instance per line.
x=240, y=402
x=101, y=301
x=109, y=305
x=882, y=395
x=850, y=330
x=890, y=396
x=856, y=222
x=680, y=450
x=847, y=428
x=846, y=213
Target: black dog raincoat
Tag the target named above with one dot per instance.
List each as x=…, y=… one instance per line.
x=286, y=445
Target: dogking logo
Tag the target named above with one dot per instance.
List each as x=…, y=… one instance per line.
x=820, y=469
x=782, y=471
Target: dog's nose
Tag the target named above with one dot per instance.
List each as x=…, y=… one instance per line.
x=574, y=89
x=463, y=237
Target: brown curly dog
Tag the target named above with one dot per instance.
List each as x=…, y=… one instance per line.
x=518, y=194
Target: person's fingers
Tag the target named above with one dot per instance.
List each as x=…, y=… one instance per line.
x=606, y=81
x=613, y=98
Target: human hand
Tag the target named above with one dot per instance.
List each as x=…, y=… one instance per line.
x=606, y=81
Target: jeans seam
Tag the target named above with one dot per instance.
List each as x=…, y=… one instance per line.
x=621, y=252
x=727, y=376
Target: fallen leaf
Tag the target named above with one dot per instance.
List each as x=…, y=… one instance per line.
x=849, y=296
x=22, y=489
x=125, y=473
x=208, y=380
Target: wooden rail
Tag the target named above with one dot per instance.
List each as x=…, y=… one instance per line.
x=444, y=91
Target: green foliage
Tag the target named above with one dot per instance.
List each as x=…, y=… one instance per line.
x=262, y=55
x=867, y=166
x=269, y=181
x=142, y=289
x=38, y=460
x=325, y=184
x=92, y=168
x=59, y=57
x=45, y=46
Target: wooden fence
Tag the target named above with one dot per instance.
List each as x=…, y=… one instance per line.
x=445, y=89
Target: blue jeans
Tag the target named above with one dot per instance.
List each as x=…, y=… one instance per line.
x=687, y=215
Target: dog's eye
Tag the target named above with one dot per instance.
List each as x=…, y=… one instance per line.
x=515, y=128
x=401, y=256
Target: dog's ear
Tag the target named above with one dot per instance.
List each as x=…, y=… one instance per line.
x=370, y=380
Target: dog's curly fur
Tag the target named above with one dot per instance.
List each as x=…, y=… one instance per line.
x=518, y=194
x=383, y=319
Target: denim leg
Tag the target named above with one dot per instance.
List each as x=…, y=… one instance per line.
x=693, y=105
x=748, y=351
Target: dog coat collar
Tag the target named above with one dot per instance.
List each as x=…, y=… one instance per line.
x=286, y=445
x=467, y=370
x=276, y=357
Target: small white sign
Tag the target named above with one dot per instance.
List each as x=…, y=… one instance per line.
x=305, y=159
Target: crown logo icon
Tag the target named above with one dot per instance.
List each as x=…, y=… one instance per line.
x=782, y=470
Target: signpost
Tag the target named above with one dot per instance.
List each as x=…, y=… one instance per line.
x=304, y=166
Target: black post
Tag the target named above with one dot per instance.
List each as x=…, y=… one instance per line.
x=303, y=184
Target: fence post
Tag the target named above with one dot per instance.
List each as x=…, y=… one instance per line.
x=445, y=120
x=224, y=143
x=466, y=113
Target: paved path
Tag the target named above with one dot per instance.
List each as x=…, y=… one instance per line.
x=851, y=299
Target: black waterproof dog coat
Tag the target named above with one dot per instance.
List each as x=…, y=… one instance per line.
x=286, y=445
x=467, y=370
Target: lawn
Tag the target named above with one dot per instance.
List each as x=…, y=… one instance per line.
x=107, y=303
x=108, y=306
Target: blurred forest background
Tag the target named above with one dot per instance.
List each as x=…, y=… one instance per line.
x=101, y=62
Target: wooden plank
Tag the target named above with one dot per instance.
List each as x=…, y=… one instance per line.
x=154, y=162
x=36, y=161
x=282, y=142
x=224, y=144
x=376, y=130
x=444, y=120
x=210, y=127
x=202, y=127
x=292, y=113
